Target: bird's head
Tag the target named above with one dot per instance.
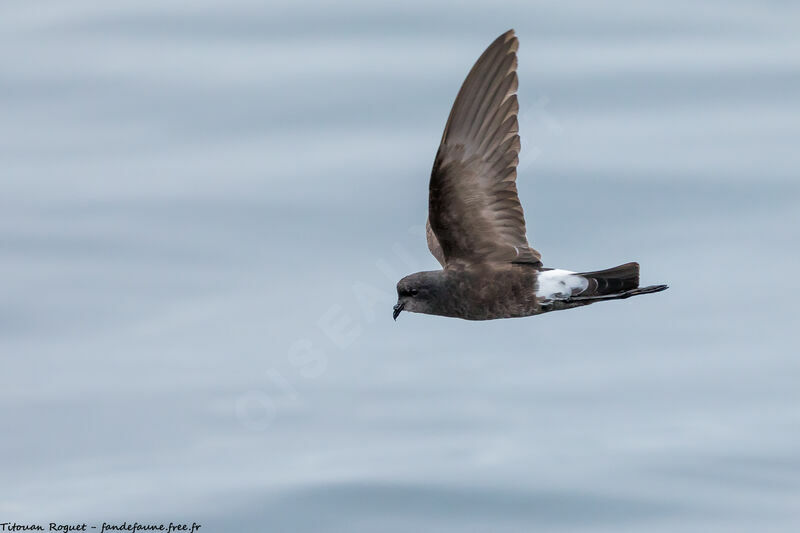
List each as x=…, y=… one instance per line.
x=418, y=293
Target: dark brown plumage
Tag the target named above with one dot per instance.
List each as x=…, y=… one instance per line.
x=476, y=225
x=474, y=211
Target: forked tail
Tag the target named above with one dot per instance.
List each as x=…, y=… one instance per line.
x=614, y=284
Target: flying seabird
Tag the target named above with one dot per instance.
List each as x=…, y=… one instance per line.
x=476, y=226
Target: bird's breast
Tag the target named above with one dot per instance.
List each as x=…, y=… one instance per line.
x=488, y=292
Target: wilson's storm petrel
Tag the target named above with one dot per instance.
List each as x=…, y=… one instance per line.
x=476, y=227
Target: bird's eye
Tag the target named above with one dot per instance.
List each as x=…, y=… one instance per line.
x=413, y=292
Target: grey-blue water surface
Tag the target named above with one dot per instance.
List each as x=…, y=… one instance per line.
x=204, y=208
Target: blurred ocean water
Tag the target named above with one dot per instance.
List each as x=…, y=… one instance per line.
x=204, y=208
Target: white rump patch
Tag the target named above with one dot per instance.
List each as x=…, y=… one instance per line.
x=558, y=284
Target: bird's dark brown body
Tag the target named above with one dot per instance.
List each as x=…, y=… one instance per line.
x=487, y=291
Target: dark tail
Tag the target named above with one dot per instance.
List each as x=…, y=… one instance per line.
x=615, y=283
x=612, y=280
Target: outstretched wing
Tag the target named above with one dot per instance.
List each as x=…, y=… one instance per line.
x=473, y=209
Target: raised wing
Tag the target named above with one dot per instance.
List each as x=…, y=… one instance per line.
x=473, y=208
